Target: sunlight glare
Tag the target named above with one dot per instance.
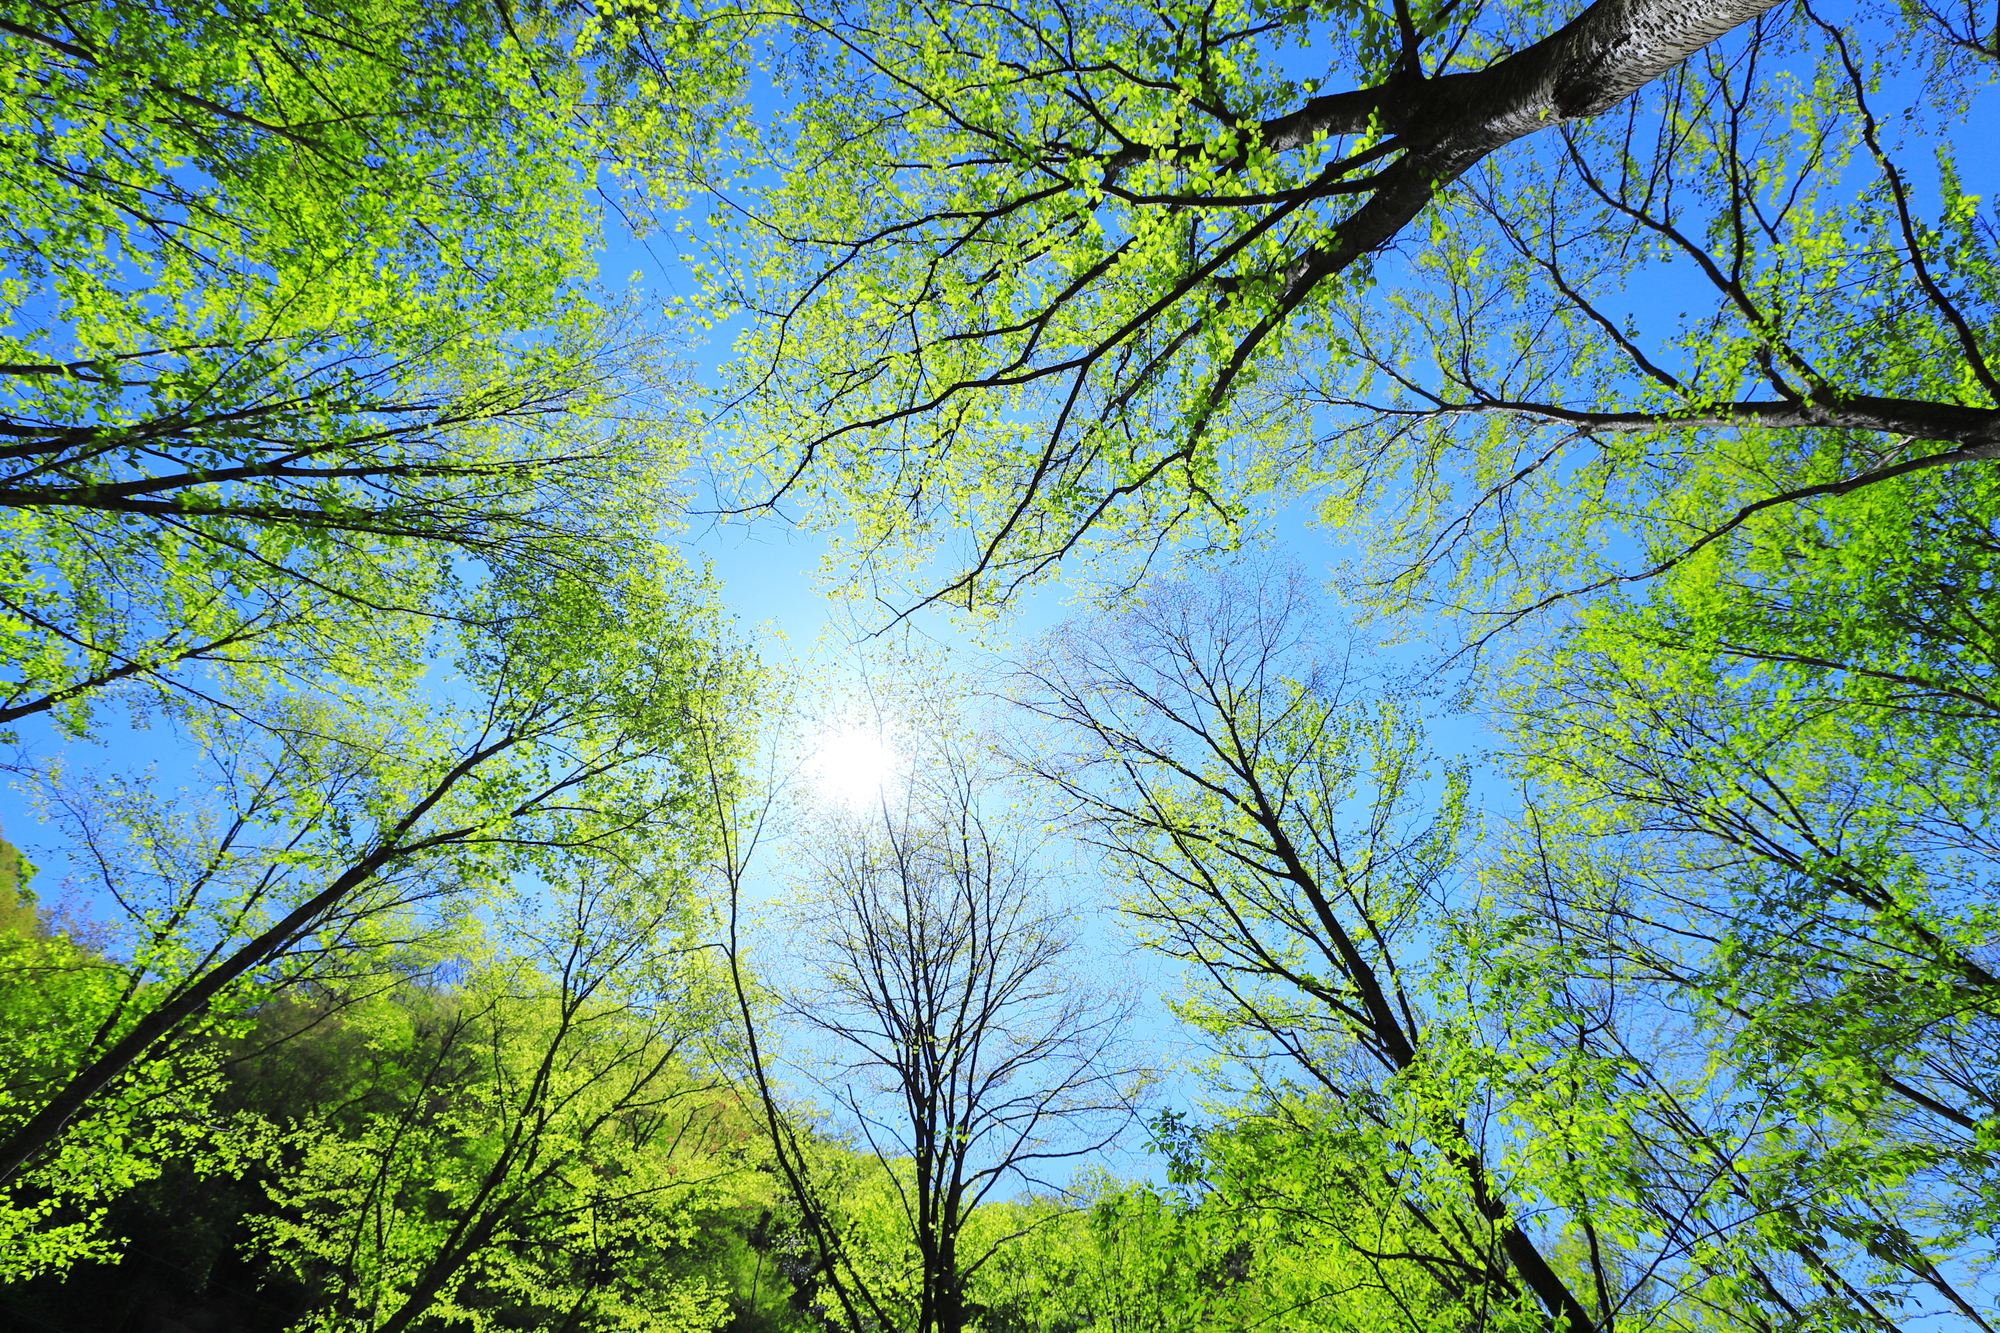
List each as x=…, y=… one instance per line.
x=852, y=766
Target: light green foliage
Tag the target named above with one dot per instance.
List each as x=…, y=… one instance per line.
x=565, y=754
x=300, y=307
x=1766, y=281
x=1246, y=1239
x=17, y=901
x=59, y=1001
x=539, y=1133
x=1764, y=800
x=1039, y=1262
x=54, y=997
x=859, y=1199
x=1028, y=271
x=1131, y=1259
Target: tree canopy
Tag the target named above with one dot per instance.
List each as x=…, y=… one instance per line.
x=1049, y=279
x=302, y=307
x=1572, y=910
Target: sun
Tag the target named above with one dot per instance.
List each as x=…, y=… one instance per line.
x=852, y=765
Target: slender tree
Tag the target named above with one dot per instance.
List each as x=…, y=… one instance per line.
x=939, y=1006
x=1273, y=835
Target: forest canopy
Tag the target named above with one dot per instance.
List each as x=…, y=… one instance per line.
x=1552, y=895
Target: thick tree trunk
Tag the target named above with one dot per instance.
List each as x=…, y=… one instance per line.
x=1443, y=126
x=1447, y=124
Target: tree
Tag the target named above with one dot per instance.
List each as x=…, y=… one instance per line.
x=1769, y=288
x=301, y=308
x=1038, y=266
x=1763, y=796
x=567, y=744
x=1467, y=1110
x=539, y=1132
x=942, y=1014
x=1221, y=783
